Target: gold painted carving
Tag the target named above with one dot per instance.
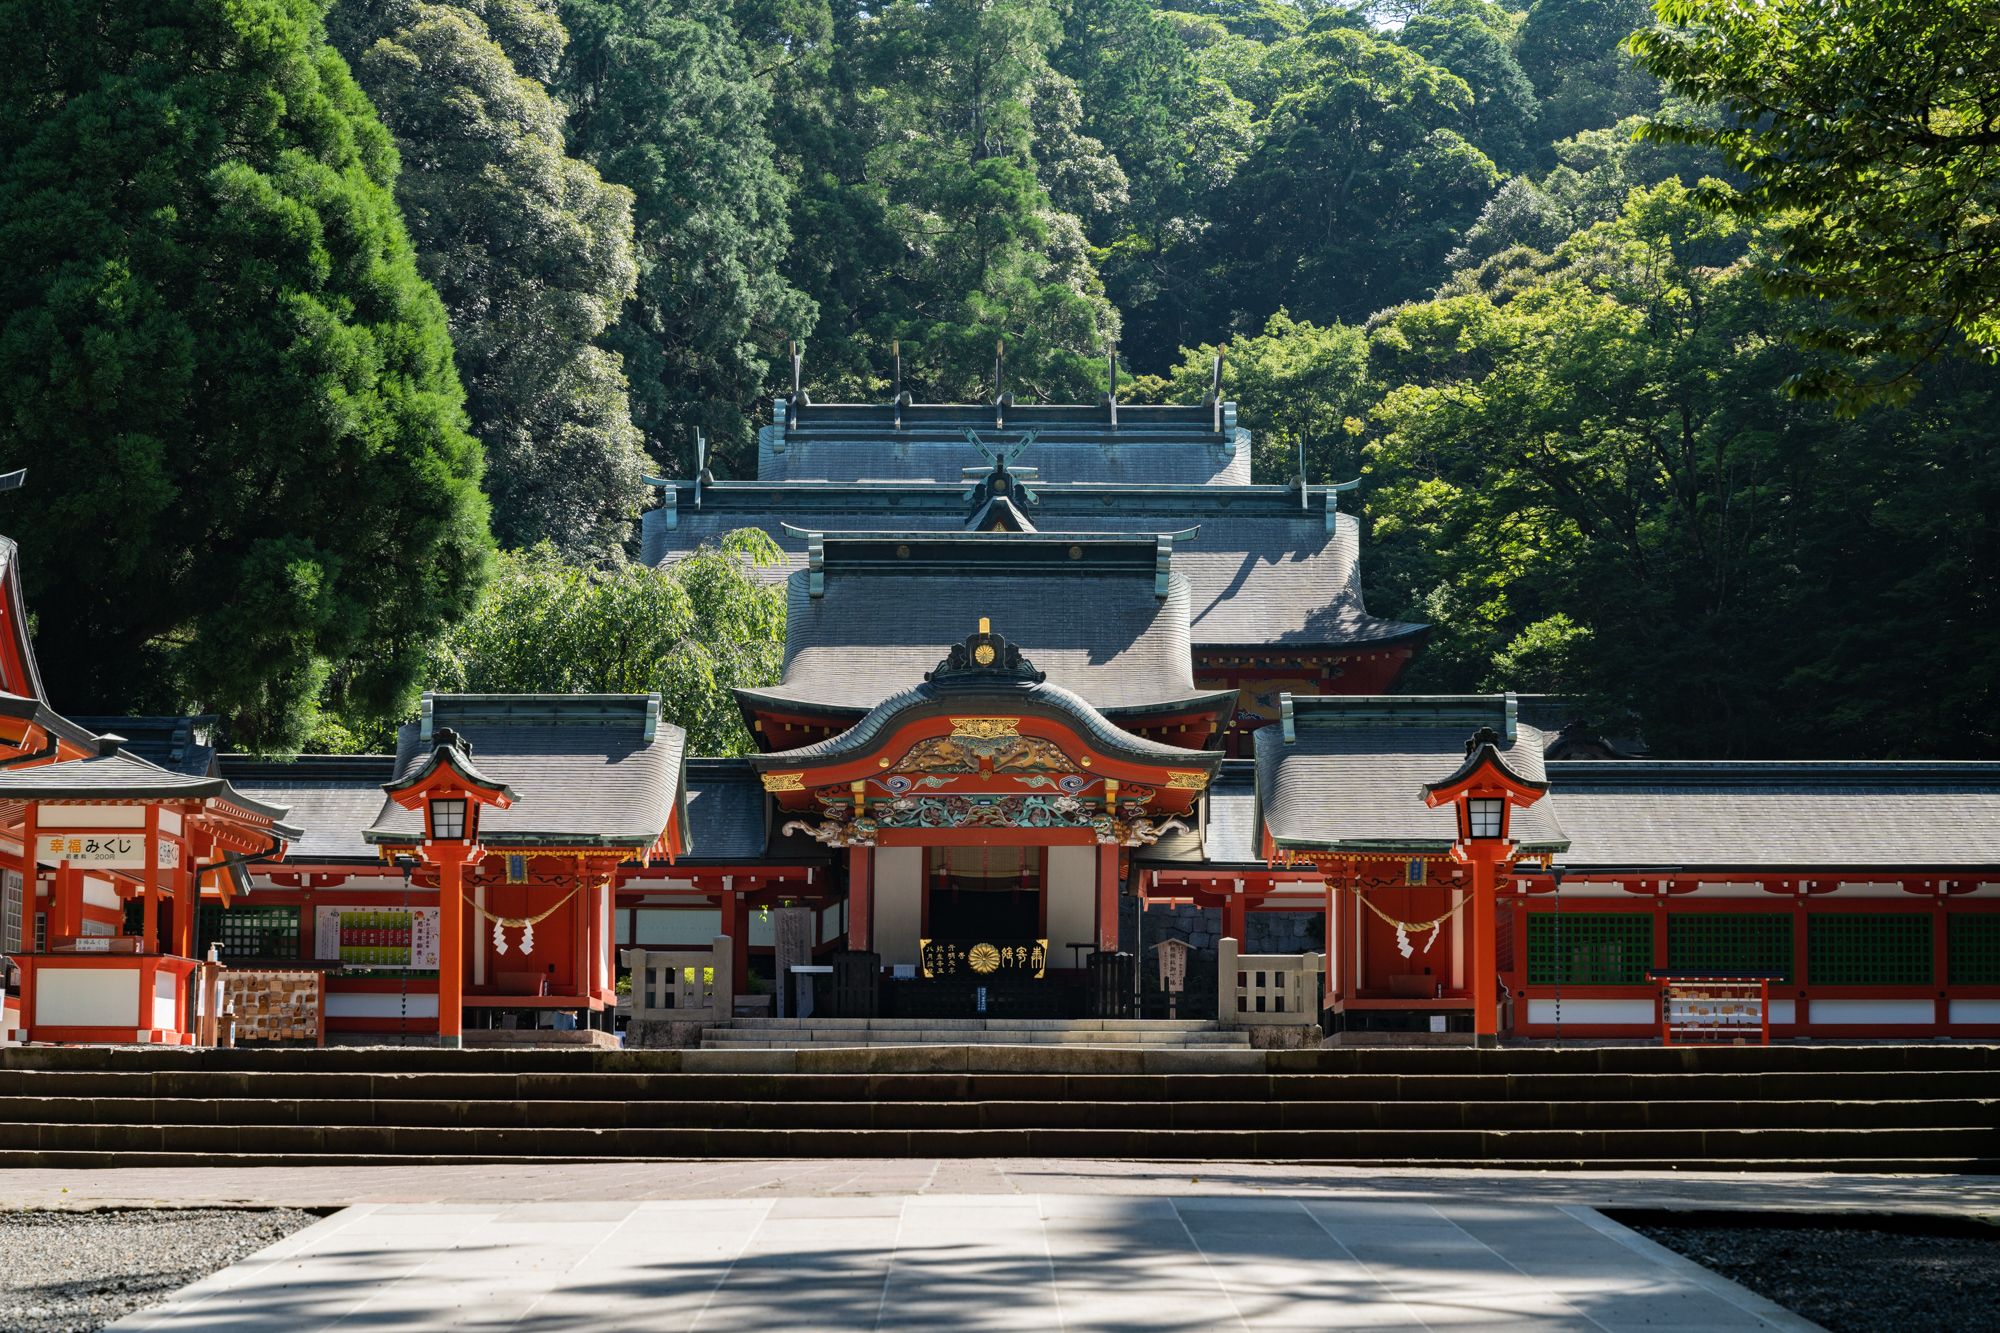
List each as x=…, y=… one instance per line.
x=1005, y=752
x=985, y=728
x=1177, y=781
x=784, y=782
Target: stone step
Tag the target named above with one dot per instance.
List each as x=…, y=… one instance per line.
x=1004, y=1114
x=906, y=1031
x=1529, y=1147
x=1009, y=1072
x=970, y=1024
x=1916, y=1059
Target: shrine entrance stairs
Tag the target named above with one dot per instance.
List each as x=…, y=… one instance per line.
x=1930, y=1107
x=833, y=1033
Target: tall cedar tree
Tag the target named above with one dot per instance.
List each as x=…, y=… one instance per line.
x=662, y=100
x=250, y=472
x=530, y=249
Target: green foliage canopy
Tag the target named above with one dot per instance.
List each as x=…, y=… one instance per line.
x=694, y=631
x=251, y=480
x=530, y=250
x=1870, y=137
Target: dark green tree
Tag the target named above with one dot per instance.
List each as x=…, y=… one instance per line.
x=985, y=255
x=251, y=475
x=1179, y=136
x=1869, y=136
x=663, y=100
x=530, y=249
x=1574, y=52
x=1591, y=480
x=1360, y=186
x=1474, y=39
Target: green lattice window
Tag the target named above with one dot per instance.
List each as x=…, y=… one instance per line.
x=248, y=932
x=1974, y=948
x=1727, y=942
x=1869, y=949
x=1589, y=948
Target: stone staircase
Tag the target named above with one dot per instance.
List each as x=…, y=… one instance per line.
x=830, y=1033
x=1931, y=1107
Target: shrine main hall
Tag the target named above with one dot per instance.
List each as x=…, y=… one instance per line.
x=1075, y=721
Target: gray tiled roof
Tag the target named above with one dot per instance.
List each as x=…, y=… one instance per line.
x=181, y=744
x=126, y=777
x=725, y=811
x=1229, y=837
x=1262, y=569
x=1660, y=815
x=584, y=768
x=931, y=700
x=333, y=798
x=1353, y=777
x=1104, y=636
x=849, y=442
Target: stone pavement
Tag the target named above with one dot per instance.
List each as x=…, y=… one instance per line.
x=599, y=1181
x=1185, y=1260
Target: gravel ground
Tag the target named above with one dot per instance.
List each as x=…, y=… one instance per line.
x=1877, y=1275
x=69, y=1272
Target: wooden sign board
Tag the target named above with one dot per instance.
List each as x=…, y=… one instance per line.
x=1173, y=956
x=105, y=851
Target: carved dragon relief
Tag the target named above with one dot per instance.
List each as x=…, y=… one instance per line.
x=1129, y=827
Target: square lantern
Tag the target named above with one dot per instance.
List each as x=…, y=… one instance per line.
x=1485, y=817
x=449, y=819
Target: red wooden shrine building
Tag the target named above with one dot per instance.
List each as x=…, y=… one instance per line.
x=1058, y=683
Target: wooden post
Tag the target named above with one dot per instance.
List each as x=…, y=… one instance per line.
x=1107, y=896
x=1235, y=910
x=860, y=899
x=1485, y=981
x=187, y=898
x=451, y=944
x=149, y=927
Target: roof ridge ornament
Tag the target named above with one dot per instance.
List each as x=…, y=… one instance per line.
x=985, y=658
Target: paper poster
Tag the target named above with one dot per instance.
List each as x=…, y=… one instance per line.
x=377, y=937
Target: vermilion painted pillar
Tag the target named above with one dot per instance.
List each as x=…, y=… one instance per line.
x=1235, y=913
x=451, y=948
x=1107, y=896
x=860, y=899
x=1485, y=976
x=149, y=900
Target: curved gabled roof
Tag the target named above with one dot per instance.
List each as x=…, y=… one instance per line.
x=18, y=672
x=586, y=769
x=1347, y=773
x=938, y=699
x=1098, y=614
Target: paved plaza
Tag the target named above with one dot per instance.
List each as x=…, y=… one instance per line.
x=976, y=1262
x=979, y=1245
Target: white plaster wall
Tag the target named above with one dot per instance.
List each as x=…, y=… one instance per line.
x=1973, y=1011
x=99, y=893
x=166, y=1014
x=1592, y=1011
x=899, y=903
x=1832, y=1012
x=374, y=1005
x=51, y=818
x=1072, y=890
x=87, y=997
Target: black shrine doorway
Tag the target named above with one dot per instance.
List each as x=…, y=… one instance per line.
x=984, y=893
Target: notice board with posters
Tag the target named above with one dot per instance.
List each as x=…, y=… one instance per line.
x=399, y=937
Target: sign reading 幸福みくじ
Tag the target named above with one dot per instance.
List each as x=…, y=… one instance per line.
x=107, y=851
